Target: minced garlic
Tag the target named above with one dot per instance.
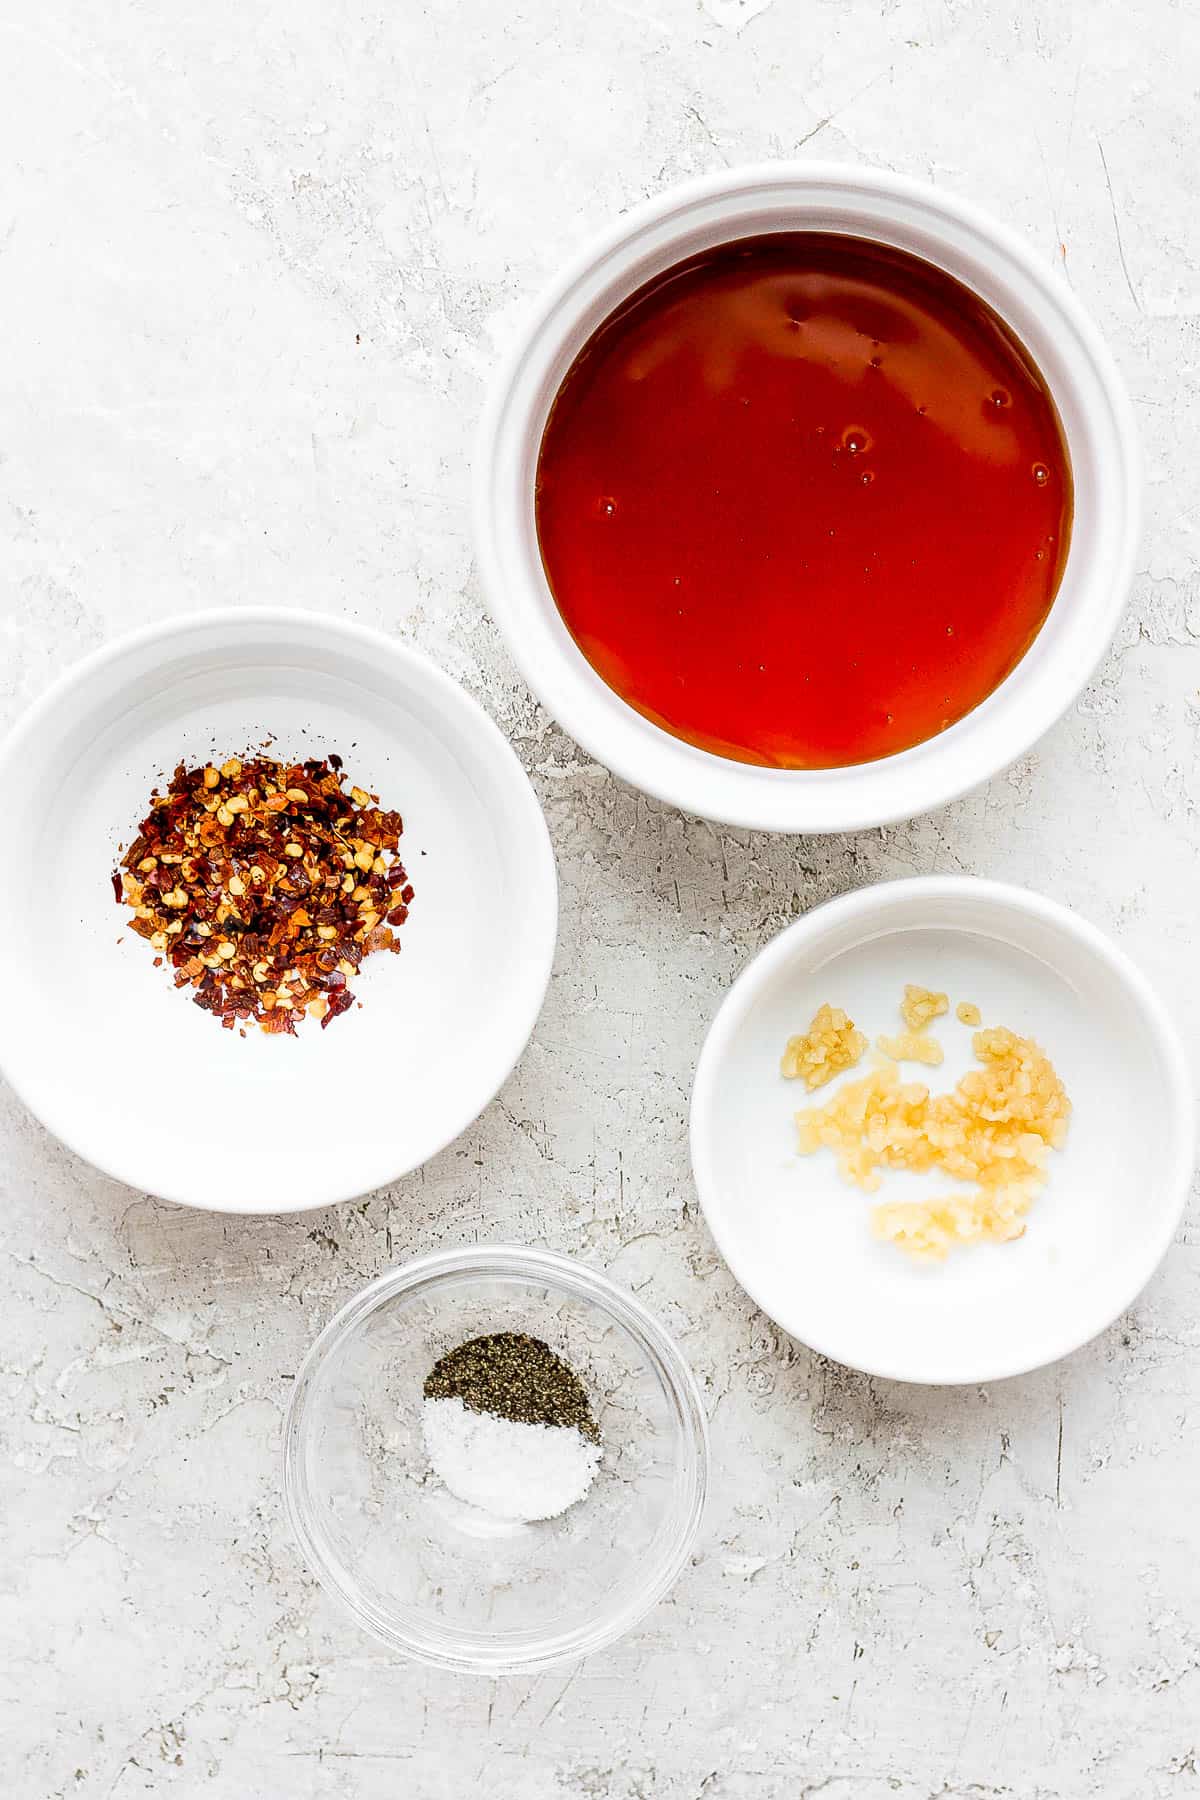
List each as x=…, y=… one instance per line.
x=929, y=1229
x=832, y=1043
x=995, y=1128
x=912, y=1046
x=920, y=1005
x=877, y=1122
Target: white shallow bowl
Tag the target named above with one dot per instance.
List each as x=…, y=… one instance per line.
x=1000, y=267
x=141, y=1082
x=798, y=1239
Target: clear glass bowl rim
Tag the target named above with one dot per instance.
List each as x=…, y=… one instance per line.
x=447, y=1648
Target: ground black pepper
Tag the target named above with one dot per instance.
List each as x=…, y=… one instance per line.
x=513, y=1376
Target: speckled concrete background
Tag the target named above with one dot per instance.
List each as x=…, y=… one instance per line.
x=255, y=264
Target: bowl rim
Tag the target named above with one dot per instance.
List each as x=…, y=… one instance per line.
x=775, y=799
x=539, y=863
x=582, y=1281
x=871, y=905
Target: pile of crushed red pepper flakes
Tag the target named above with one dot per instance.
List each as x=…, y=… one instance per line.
x=264, y=885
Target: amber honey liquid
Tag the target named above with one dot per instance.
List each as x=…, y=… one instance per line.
x=804, y=500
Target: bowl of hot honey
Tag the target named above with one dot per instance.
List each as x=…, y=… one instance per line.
x=807, y=497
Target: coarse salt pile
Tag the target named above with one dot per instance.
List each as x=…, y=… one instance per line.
x=508, y=1427
x=506, y=1468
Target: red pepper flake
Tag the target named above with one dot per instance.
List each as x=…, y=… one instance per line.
x=339, y=1000
x=264, y=884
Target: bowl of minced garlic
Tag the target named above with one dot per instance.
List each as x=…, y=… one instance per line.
x=992, y=1132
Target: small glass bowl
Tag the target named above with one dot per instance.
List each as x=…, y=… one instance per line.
x=436, y=1578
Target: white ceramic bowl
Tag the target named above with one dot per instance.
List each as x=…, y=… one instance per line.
x=798, y=1239
x=1003, y=270
x=142, y=1083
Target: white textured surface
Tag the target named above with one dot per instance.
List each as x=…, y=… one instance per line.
x=255, y=263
